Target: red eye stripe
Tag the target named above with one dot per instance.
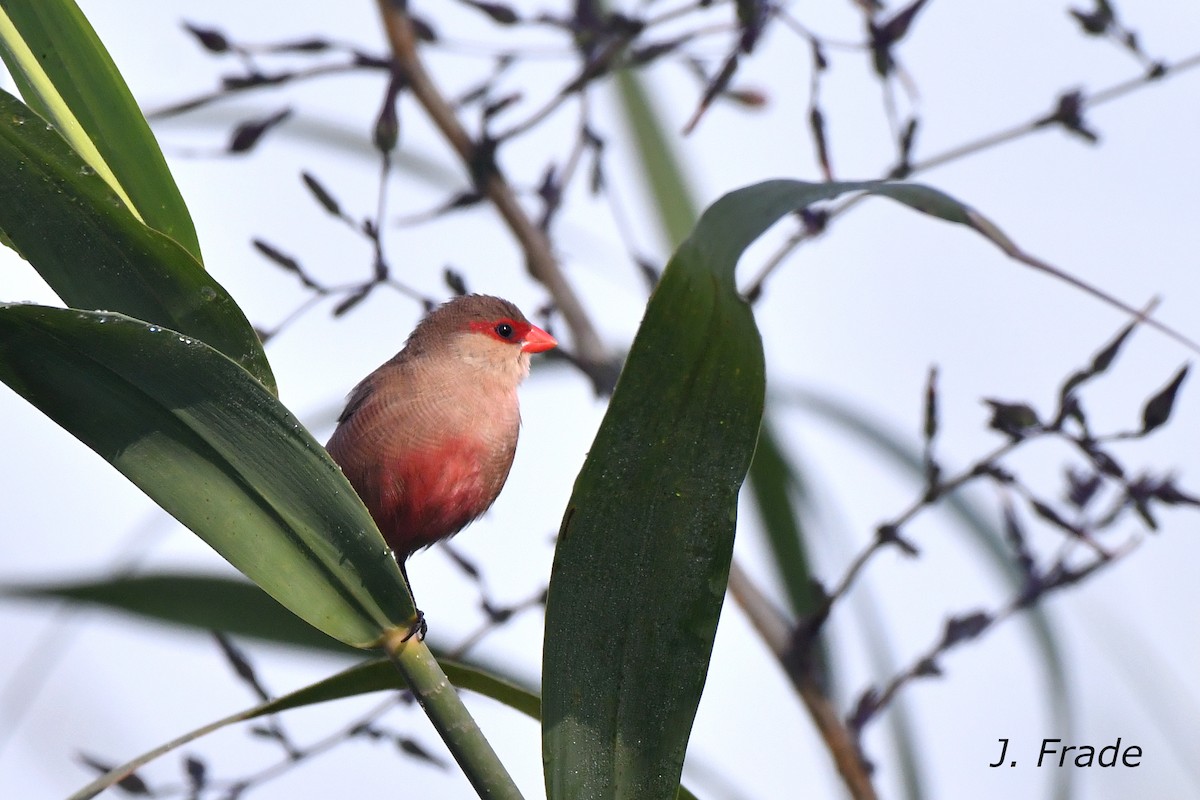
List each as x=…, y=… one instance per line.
x=503, y=329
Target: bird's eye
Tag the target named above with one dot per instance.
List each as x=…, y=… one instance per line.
x=504, y=330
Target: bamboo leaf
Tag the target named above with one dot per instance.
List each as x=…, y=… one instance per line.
x=202, y=602
x=67, y=76
x=643, y=553
x=94, y=254
x=783, y=500
x=615, y=725
x=772, y=480
x=210, y=445
x=674, y=204
x=376, y=675
x=777, y=489
x=653, y=511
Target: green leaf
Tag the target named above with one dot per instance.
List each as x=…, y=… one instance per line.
x=379, y=675
x=209, y=444
x=660, y=168
x=774, y=483
x=783, y=502
x=205, y=603
x=94, y=254
x=644, y=547
x=770, y=477
x=376, y=675
x=643, y=553
x=906, y=746
x=67, y=76
x=675, y=212
x=653, y=514
x=237, y=606
x=202, y=602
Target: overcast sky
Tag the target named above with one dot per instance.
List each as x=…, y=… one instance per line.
x=861, y=314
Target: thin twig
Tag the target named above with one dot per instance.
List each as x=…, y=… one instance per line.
x=539, y=258
x=1097, y=98
x=776, y=632
x=265, y=82
x=924, y=665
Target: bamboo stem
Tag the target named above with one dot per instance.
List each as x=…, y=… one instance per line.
x=449, y=716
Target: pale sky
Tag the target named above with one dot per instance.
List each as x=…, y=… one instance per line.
x=861, y=314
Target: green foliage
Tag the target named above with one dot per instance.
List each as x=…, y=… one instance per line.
x=185, y=600
x=643, y=554
x=67, y=77
x=172, y=387
x=376, y=675
x=70, y=226
x=655, y=506
x=209, y=444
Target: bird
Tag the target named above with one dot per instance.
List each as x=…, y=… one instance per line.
x=427, y=440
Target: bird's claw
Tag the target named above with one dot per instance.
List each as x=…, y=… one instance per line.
x=418, y=628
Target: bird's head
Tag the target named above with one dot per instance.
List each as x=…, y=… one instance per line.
x=486, y=333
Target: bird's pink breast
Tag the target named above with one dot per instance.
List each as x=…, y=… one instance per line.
x=432, y=493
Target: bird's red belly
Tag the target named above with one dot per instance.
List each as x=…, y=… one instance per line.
x=432, y=494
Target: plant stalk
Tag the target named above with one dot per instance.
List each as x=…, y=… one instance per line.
x=776, y=633
x=449, y=716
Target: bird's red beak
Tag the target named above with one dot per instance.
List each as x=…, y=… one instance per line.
x=537, y=341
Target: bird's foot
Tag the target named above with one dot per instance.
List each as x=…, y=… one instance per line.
x=419, y=628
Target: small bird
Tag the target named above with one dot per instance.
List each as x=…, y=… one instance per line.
x=428, y=439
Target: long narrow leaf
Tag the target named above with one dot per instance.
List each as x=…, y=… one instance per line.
x=783, y=502
x=643, y=554
x=899, y=717
x=67, y=76
x=209, y=444
x=202, y=602
x=94, y=254
x=776, y=489
x=772, y=481
x=371, y=676
x=644, y=548
x=376, y=675
x=674, y=203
